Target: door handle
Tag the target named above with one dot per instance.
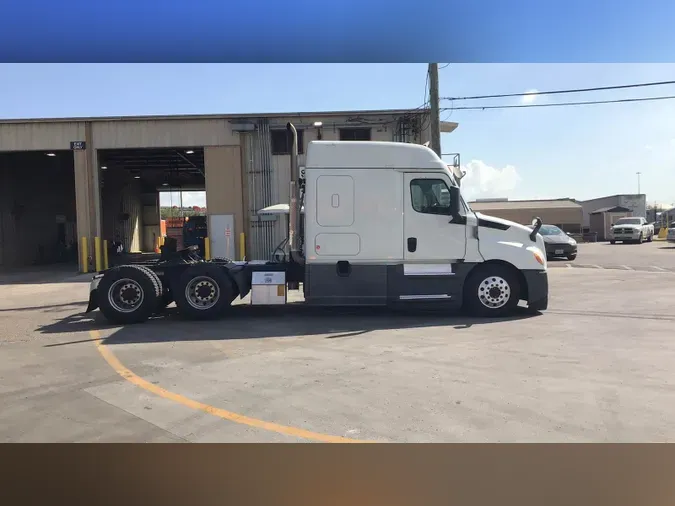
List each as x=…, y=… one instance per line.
x=412, y=244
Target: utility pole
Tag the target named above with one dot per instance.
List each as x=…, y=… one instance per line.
x=638, y=175
x=435, y=109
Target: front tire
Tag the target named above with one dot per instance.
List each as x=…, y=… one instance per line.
x=612, y=242
x=128, y=294
x=204, y=292
x=571, y=257
x=492, y=291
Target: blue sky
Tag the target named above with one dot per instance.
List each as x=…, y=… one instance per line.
x=580, y=152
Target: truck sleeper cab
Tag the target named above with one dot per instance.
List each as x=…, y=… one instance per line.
x=384, y=224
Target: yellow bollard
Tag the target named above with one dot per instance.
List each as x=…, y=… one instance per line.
x=105, y=255
x=242, y=246
x=207, y=248
x=97, y=254
x=84, y=257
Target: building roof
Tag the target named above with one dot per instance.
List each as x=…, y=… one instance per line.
x=630, y=195
x=613, y=209
x=372, y=155
x=383, y=112
x=525, y=204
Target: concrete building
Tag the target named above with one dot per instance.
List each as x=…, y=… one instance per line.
x=637, y=204
x=69, y=181
x=564, y=213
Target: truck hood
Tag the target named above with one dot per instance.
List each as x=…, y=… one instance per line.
x=485, y=220
x=509, y=241
x=557, y=239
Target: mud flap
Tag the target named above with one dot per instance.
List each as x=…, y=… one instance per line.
x=93, y=301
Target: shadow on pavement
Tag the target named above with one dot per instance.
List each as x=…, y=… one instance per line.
x=43, y=275
x=248, y=322
x=49, y=308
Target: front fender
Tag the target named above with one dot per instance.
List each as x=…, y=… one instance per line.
x=520, y=255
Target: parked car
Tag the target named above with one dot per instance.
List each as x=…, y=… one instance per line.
x=671, y=235
x=631, y=230
x=558, y=244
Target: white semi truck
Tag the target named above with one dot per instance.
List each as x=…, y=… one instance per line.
x=384, y=225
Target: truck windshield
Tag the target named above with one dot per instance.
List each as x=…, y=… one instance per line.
x=628, y=221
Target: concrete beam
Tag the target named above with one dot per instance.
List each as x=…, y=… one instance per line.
x=87, y=193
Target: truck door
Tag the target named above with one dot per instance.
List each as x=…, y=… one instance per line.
x=428, y=234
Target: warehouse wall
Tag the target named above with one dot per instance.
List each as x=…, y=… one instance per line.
x=222, y=158
x=224, y=189
x=636, y=203
x=145, y=133
x=40, y=136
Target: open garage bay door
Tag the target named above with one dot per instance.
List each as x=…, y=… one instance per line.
x=37, y=209
x=131, y=181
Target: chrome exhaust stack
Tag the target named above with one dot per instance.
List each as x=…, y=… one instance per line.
x=294, y=206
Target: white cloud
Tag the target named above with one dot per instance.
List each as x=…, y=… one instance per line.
x=649, y=147
x=484, y=181
x=529, y=99
x=190, y=199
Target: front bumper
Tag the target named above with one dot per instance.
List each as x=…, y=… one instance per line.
x=560, y=250
x=537, y=289
x=633, y=235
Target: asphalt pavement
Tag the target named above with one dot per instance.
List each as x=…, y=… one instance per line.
x=656, y=256
x=596, y=366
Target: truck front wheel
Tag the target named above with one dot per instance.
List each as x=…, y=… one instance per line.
x=492, y=291
x=204, y=292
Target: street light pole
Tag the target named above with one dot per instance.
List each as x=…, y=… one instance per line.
x=638, y=175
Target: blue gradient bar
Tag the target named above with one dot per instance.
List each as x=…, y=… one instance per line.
x=344, y=31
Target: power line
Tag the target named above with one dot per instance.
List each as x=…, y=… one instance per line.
x=559, y=104
x=558, y=92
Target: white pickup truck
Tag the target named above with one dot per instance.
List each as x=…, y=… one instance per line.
x=631, y=229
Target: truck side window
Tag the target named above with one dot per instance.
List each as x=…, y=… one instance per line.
x=430, y=196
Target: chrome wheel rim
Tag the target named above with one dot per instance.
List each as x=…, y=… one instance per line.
x=126, y=295
x=494, y=292
x=202, y=293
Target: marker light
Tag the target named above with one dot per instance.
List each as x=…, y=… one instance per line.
x=539, y=257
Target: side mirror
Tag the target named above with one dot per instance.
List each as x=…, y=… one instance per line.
x=536, y=225
x=454, y=201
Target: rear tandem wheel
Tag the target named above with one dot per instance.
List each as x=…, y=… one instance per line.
x=129, y=294
x=204, y=292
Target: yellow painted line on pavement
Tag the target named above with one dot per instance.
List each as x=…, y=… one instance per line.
x=131, y=377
